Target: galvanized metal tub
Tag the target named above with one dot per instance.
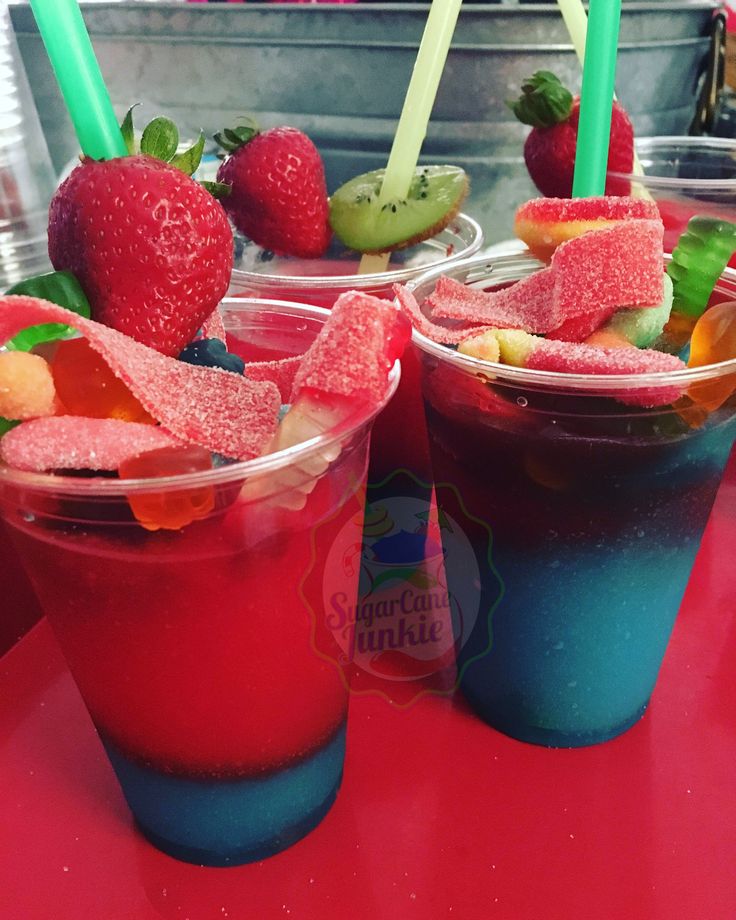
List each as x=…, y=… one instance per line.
x=340, y=73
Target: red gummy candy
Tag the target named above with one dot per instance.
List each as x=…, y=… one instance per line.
x=67, y=442
x=86, y=385
x=355, y=349
x=175, y=508
x=216, y=409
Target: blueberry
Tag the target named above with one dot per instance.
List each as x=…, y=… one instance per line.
x=212, y=353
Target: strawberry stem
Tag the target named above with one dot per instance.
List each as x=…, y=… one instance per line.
x=232, y=139
x=544, y=101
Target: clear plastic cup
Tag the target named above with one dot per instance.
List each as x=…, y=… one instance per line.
x=202, y=653
x=399, y=448
x=585, y=516
x=260, y=273
x=686, y=176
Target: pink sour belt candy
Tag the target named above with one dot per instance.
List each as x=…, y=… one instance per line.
x=219, y=410
x=75, y=443
x=354, y=350
x=441, y=334
x=214, y=327
x=345, y=367
x=520, y=349
x=591, y=276
x=509, y=308
x=544, y=223
x=281, y=373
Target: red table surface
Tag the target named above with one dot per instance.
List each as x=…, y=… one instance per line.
x=439, y=816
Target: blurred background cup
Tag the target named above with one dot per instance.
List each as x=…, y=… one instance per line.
x=686, y=176
x=27, y=179
x=27, y=182
x=399, y=440
x=594, y=510
x=203, y=653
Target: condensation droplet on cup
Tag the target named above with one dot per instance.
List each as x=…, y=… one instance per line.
x=522, y=401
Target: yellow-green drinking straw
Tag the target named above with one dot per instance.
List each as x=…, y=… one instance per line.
x=73, y=59
x=412, y=127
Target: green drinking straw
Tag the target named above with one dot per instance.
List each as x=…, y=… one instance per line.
x=412, y=127
x=78, y=74
x=596, y=98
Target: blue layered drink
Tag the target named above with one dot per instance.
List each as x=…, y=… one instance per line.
x=595, y=508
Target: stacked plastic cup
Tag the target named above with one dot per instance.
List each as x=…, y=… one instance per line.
x=27, y=179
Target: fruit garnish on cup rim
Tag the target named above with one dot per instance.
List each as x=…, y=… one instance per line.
x=366, y=225
x=550, y=147
x=278, y=192
x=151, y=248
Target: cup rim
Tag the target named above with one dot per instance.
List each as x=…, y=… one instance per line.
x=370, y=279
x=599, y=383
x=242, y=469
x=674, y=183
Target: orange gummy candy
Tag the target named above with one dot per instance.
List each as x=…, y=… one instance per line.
x=175, y=508
x=87, y=387
x=713, y=340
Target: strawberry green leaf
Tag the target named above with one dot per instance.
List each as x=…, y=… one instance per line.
x=544, y=101
x=6, y=424
x=188, y=161
x=232, y=138
x=126, y=129
x=160, y=139
x=217, y=189
x=61, y=288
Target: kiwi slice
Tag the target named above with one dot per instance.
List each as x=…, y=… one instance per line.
x=434, y=198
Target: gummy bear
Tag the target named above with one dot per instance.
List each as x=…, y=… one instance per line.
x=86, y=386
x=698, y=260
x=713, y=340
x=175, y=508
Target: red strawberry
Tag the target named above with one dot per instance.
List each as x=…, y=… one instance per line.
x=549, y=150
x=152, y=250
x=278, y=192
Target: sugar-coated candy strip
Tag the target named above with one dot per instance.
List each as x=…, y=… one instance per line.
x=226, y=413
x=544, y=223
x=521, y=349
x=346, y=366
x=617, y=266
x=214, y=327
x=355, y=349
x=591, y=277
x=280, y=372
x=527, y=304
x=407, y=303
x=578, y=328
x=698, y=260
x=69, y=442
